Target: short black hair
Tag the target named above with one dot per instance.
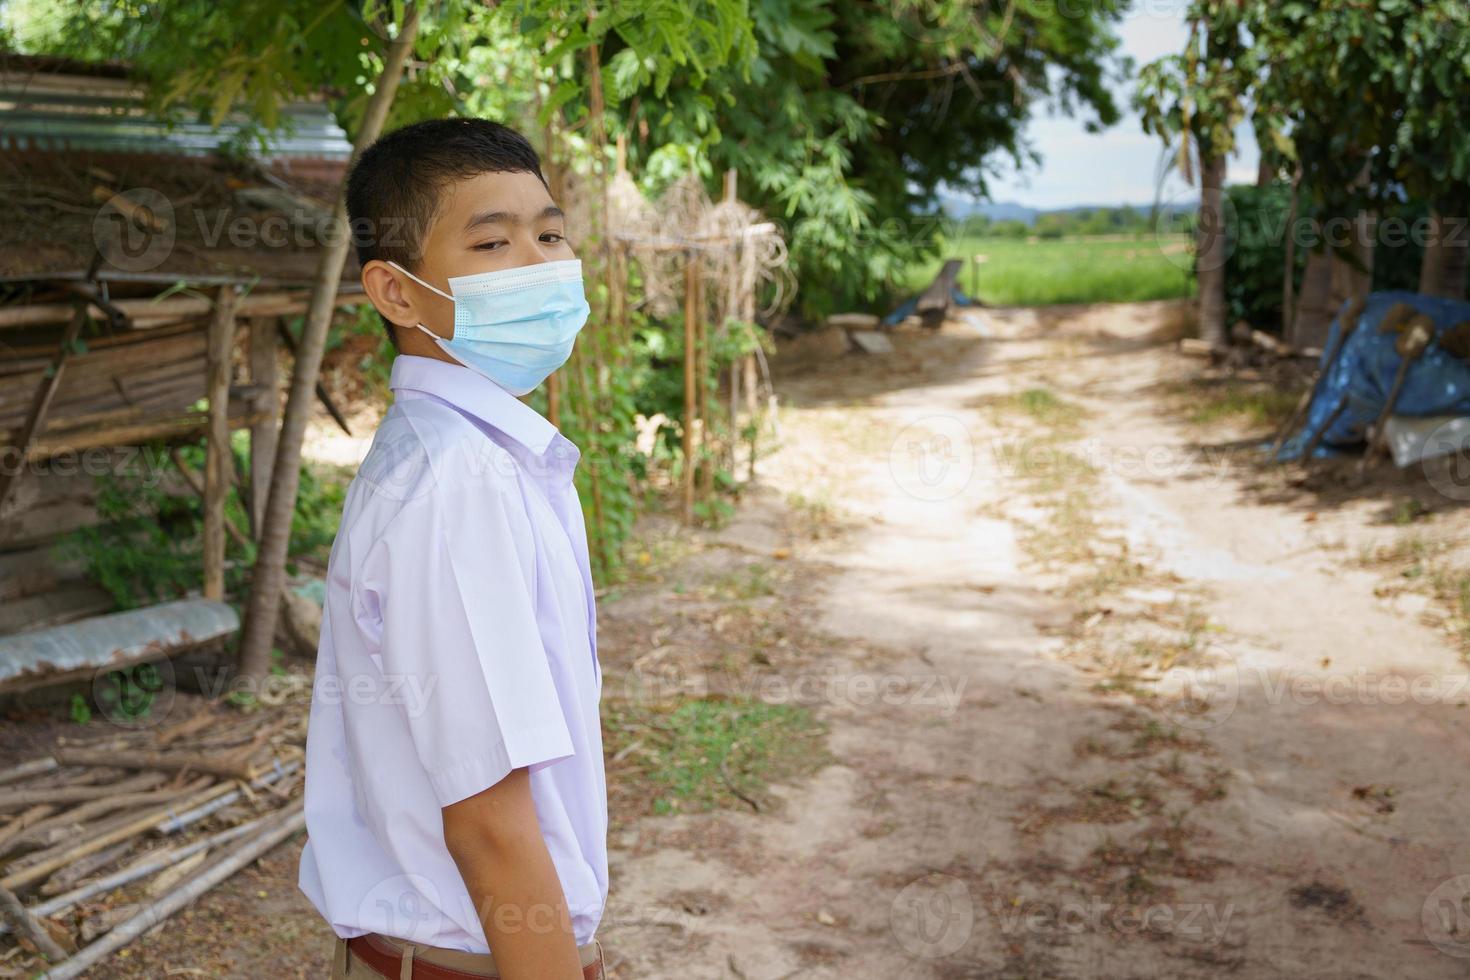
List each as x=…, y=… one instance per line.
x=395, y=188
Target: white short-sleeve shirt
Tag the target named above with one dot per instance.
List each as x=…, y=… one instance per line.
x=459, y=642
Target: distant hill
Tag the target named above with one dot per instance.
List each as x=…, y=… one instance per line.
x=958, y=208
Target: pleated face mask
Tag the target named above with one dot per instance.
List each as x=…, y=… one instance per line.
x=514, y=326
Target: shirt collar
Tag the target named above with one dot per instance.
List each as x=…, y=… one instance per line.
x=476, y=394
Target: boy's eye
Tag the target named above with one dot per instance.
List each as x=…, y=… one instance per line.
x=552, y=237
x=488, y=246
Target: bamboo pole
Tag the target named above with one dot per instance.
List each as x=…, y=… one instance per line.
x=270, y=567
x=217, y=453
x=286, y=825
x=691, y=287
x=264, y=371
x=150, y=864
x=43, y=869
x=706, y=454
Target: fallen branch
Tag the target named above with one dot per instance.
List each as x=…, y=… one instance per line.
x=77, y=794
x=233, y=765
x=33, y=768
x=29, y=818
x=25, y=924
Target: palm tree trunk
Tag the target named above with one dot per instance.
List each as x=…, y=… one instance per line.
x=269, y=577
x=1211, y=251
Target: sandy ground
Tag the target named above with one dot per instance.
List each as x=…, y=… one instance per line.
x=1151, y=715
x=1019, y=799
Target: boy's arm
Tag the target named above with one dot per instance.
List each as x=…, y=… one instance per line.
x=496, y=841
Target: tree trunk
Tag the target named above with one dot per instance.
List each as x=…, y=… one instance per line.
x=270, y=568
x=1443, y=270
x=1211, y=251
x=1314, y=310
x=218, y=466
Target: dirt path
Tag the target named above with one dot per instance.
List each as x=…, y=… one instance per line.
x=1103, y=701
x=1102, y=698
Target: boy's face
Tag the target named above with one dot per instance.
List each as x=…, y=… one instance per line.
x=485, y=223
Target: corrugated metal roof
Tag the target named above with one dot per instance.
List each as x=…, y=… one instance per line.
x=53, y=111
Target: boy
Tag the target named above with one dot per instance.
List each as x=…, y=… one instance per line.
x=455, y=800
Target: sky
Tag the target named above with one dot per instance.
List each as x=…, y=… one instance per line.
x=1120, y=164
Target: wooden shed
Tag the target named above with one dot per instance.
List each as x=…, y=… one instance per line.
x=146, y=274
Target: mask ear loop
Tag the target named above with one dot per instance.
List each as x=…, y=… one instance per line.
x=428, y=286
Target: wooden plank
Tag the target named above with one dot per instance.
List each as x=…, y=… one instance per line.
x=218, y=466
x=264, y=372
x=186, y=425
x=39, y=407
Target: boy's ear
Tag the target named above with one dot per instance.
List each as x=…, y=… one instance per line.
x=384, y=287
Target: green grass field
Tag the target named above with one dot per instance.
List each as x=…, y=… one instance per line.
x=1067, y=270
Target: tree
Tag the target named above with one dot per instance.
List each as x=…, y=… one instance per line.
x=855, y=114
x=1365, y=104
x=1194, y=100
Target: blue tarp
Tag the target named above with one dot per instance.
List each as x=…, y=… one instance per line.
x=1438, y=383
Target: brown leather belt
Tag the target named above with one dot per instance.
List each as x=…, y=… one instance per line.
x=382, y=958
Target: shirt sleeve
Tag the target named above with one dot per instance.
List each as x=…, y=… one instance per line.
x=456, y=599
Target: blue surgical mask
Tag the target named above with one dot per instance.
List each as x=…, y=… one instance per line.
x=514, y=326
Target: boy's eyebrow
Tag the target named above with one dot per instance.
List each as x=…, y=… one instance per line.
x=509, y=217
